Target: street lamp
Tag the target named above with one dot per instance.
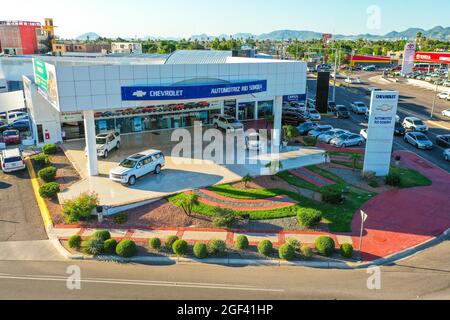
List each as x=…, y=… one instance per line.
x=364, y=217
x=434, y=100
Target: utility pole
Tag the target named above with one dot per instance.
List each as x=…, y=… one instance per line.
x=434, y=101
x=337, y=60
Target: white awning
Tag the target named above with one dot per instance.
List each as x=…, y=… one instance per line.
x=10, y=101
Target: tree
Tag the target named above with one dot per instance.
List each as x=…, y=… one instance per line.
x=355, y=157
x=187, y=203
x=289, y=133
x=274, y=166
x=247, y=179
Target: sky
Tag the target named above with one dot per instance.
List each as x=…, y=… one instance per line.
x=184, y=18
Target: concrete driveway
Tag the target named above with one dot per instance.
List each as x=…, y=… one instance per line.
x=20, y=219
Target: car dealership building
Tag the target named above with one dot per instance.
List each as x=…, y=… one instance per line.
x=76, y=97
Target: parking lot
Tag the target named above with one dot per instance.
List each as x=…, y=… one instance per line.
x=20, y=219
x=414, y=101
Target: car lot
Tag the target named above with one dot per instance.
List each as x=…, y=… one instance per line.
x=414, y=102
x=20, y=219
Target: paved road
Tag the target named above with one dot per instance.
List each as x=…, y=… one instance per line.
x=425, y=276
x=20, y=219
x=414, y=102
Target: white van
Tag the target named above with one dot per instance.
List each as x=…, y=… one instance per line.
x=11, y=117
x=11, y=160
x=137, y=166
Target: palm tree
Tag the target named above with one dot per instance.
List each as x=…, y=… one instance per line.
x=274, y=166
x=187, y=202
x=246, y=180
x=355, y=157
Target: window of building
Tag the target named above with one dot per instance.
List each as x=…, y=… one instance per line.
x=246, y=111
x=230, y=108
x=265, y=108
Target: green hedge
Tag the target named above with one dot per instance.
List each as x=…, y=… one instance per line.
x=170, y=241
x=48, y=174
x=346, y=250
x=310, y=141
x=200, y=250
x=50, y=149
x=216, y=247
x=102, y=234
x=49, y=190
x=331, y=194
x=393, y=179
x=120, y=218
x=80, y=208
x=180, y=248
x=286, y=252
x=93, y=246
x=109, y=247
x=307, y=252
x=325, y=246
x=308, y=217
x=74, y=242
x=265, y=247
x=242, y=242
x=154, y=244
x=41, y=159
x=126, y=249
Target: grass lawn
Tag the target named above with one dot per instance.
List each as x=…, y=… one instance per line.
x=227, y=190
x=411, y=178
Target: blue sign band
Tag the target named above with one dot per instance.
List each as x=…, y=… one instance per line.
x=189, y=92
x=294, y=98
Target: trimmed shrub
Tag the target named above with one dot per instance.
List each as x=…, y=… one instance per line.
x=265, y=247
x=93, y=246
x=308, y=217
x=325, y=246
x=200, y=250
x=216, y=247
x=170, y=241
x=347, y=250
x=126, y=248
x=154, y=243
x=294, y=243
x=331, y=194
x=393, y=179
x=80, y=208
x=224, y=218
x=307, y=252
x=109, y=247
x=41, y=159
x=49, y=190
x=180, y=248
x=242, y=242
x=102, y=234
x=373, y=183
x=50, y=149
x=309, y=141
x=74, y=242
x=48, y=174
x=120, y=218
x=286, y=252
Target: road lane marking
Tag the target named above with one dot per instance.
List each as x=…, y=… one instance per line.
x=141, y=283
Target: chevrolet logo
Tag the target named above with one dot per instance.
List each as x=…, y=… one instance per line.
x=385, y=108
x=139, y=94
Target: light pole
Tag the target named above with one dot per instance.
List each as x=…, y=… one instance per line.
x=364, y=217
x=337, y=61
x=434, y=100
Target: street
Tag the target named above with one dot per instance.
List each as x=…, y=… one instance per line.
x=414, y=102
x=424, y=276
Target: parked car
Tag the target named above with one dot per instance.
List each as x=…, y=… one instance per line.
x=294, y=118
x=446, y=113
x=137, y=166
x=314, y=115
x=447, y=154
x=347, y=140
x=311, y=103
x=3, y=125
x=319, y=130
x=364, y=134
x=306, y=127
x=253, y=142
x=12, y=160
x=227, y=123
x=369, y=68
x=419, y=140
x=414, y=124
x=399, y=130
x=352, y=80
x=14, y=116
x=21, y=125
x=342, y=112
x=106, y=142
x=11, y=137
x=443, y=141
x=330, y=135
x=331, y=106
x=444, y=95
x=359, y=107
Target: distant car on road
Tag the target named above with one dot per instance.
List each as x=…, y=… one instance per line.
x=306, y=127
x=446, y=113
x=11, y=137
x=414, y=124
x=447, y=154
x=399, y=130
x=319, y=130
x=444, y=95
x=314, y=115
x=369, y=68
x=443, y=141
x=342, y=112
x=352, y=80
x=227, y=123
x=137, y=166
x=359, y=107
x=11, y=160
x=419, y=140
x=347, y=140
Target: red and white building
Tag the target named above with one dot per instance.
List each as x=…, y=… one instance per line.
x=19, y=37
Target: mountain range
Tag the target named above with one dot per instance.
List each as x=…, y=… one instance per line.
x=436, y=33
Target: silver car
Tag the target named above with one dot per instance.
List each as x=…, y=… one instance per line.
x=329, y=135
x=419, y=140
x=347, y=140
x=447, y=154
x=359, y=107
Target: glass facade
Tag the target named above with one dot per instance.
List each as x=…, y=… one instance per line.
x=230, y=108
x=265, y=108
x=246, y=111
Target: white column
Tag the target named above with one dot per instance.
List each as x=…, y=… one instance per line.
x=89, y=129
x=222, y=107
x=277, y=126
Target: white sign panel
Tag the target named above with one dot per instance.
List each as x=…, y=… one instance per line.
x=383, y=109
x=408, y=58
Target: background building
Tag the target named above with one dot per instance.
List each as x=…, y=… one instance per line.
x=19, y=37
x=60, y=48
x=126, y=47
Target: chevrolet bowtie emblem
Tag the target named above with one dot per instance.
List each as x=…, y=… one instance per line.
x=139, y=94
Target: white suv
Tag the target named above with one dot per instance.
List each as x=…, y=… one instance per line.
x=137, y=166
x=414, y=124
x=359, y=107
x=11, y=160
x=227, y=123
x=106, y=142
